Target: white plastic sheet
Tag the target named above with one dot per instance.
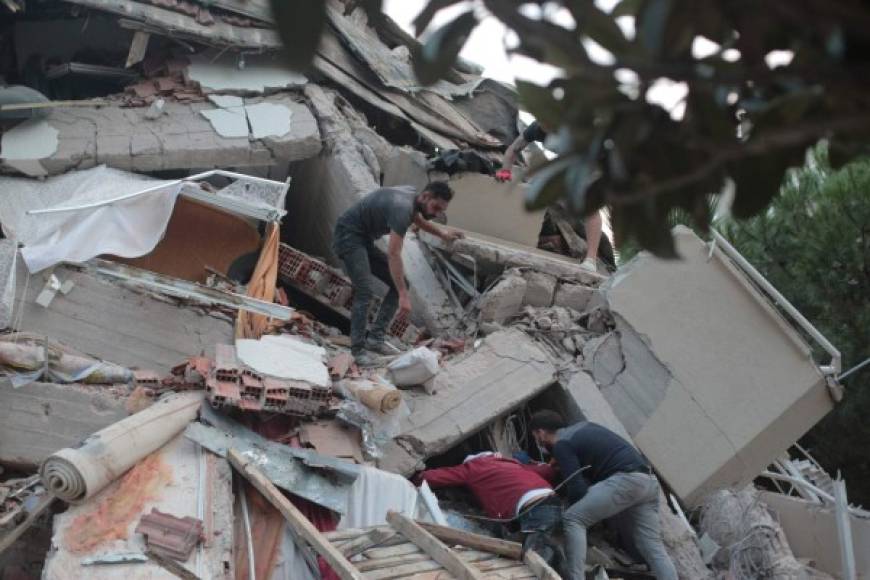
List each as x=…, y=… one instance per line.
x=373, y=494
x=128, y=228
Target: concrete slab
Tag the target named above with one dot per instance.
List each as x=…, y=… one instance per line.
x=197, y=484
x=503, y=300
x=181, y=138
x=226, y=101
x=116, y=324
x=38, y=419
x=811, y=530
x=268, y=120
x=231, y=122
x=260, y=73
x=485, y=206
x=506, y=370
x=737, y=385
x=31, y=139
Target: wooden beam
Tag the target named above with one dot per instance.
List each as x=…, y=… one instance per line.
x=9, y=539
x=298, y=522
x=434, y=547
x=455, y=537
x=359, y=545
x=539, y=566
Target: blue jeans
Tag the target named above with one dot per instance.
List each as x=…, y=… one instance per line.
x=538, y=525
x=635, y=496
x=362, y=260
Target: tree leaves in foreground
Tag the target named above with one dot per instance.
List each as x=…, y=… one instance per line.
x=741, y=120
x=813, y=244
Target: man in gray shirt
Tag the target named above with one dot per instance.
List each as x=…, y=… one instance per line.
x=388, y=210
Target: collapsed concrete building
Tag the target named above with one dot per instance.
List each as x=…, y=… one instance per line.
x=214, y=177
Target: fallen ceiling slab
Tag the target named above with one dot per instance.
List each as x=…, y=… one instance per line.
x=506, y=370
x=113, y=323
x=260, y=74
x=180, y=138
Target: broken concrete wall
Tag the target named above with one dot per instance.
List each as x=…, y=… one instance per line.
x=182, y=137
x=811, y=530
x=346, y=170
x=506, y=370
x=105, y=320
x=485, y=206
x=708, y=379
x=38, y=419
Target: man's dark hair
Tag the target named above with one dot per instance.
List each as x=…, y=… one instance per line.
x=439, y=189
x=546, y=420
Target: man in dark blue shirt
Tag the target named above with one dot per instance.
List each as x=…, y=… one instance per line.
x=617, y=480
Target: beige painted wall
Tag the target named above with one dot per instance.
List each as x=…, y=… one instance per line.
x=743, y=386
x=485, y=206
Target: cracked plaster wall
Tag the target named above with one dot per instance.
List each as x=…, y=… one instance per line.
x=180, y=138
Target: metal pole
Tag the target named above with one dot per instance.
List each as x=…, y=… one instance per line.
x=836, y=362
x=844, y=530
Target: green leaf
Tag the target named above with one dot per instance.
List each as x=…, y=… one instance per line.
x=758, y=179
x=651, y=25
x=422, y=20
x=548, y=182
x=600, y=27
x=300, y=25
x=627, y=8
x=540, y=102
x=436, y=57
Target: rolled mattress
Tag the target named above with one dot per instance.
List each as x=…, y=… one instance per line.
x=76, y=475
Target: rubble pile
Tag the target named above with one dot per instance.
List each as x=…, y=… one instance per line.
x=178, y=395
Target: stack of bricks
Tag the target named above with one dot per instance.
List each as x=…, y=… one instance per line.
x=230, y=384
x=333, y=289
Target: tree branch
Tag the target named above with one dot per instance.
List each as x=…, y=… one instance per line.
x=763, y=143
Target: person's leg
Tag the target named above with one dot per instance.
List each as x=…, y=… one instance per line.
x=594, y=224
x=538, y=525
x=645, y=526
x=381, y=268
x=605, y=499
x=356, y=264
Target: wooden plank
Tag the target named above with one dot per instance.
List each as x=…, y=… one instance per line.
x=350, y=533
x=138, y=48
x=400, y=550
x=298, y=522
x=369, y=565
x=218, y=32
x=492, y=565
x=53, y=104
x=453, y=537
x=366, y=541
x=415, y=565
x=13, y=536
x=512, y=573
x=433, y=546
x=539, y=567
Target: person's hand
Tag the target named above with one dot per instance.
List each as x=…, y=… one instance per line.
x=404, y=305
x=453, y=235
x=503, y=175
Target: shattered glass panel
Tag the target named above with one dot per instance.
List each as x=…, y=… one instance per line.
x=256, y=192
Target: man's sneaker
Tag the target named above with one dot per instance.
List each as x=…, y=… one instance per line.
x=380, y=347
x=365, y=359
x=589, y=265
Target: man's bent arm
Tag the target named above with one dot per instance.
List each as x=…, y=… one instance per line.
x=510, y=153
x=431, y=228
x=394, y=259
x=445, y=476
